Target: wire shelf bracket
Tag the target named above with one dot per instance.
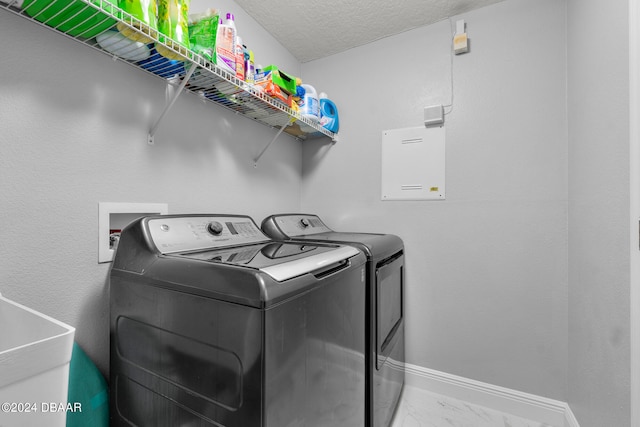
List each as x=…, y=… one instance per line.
x=289, y=123
x=167, y=107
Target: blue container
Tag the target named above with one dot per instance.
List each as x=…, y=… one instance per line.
x=329, y=115
x=161, y=66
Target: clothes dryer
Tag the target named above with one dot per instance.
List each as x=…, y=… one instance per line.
x=385, y=307
x=214, y=324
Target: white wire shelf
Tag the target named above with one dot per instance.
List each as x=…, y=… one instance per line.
x=94, y=23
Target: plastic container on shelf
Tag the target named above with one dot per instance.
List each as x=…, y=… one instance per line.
x=225, y=45
x=240, y=69
x=173, y=23
x=251, y=68
x=144, y=11
x=162, y=66
x=70, y=16
x=309, y=104
x=35, y=352
x=203, y=28
x=328, y=113
x=116, y=43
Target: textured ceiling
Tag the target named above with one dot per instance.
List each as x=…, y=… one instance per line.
x=315, y=29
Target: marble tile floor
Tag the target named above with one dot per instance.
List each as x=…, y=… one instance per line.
x=421, y=408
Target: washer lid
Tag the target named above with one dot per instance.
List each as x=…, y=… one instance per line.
x=281, y=261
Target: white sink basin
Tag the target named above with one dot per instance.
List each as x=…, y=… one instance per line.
x=35, y=351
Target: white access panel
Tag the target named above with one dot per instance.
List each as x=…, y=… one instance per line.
x=413, y=161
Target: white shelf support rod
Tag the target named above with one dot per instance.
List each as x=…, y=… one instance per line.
x=167, y=107
x=255, y=161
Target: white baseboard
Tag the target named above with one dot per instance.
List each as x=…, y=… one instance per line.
x=525, y=405
x=570, y=419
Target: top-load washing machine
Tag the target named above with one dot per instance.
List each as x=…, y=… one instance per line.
x=214, y=324
x=385, y=309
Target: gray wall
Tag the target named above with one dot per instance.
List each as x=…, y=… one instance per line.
x=73, y=126
x=486, y=268
x=598, y=106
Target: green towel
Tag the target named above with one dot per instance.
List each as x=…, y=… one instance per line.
x=87, y=387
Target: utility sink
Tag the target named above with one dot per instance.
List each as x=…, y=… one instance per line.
x=35, y=352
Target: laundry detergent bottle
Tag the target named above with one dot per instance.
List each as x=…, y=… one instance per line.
x=226, y=45
x=309, y=105
x=328, y=114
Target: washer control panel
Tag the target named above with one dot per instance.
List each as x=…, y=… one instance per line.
x=187, y=233
x=293, y=225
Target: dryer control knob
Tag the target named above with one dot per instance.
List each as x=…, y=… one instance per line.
x=304, y=222
x=214, y=228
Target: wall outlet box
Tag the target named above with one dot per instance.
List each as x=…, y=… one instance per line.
x=434, y=116
x=113, y=217
x=460, y=43
x=460, y=40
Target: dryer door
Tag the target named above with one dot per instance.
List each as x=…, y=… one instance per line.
x=389, y=305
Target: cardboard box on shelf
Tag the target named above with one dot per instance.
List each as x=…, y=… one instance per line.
x=271, y=74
